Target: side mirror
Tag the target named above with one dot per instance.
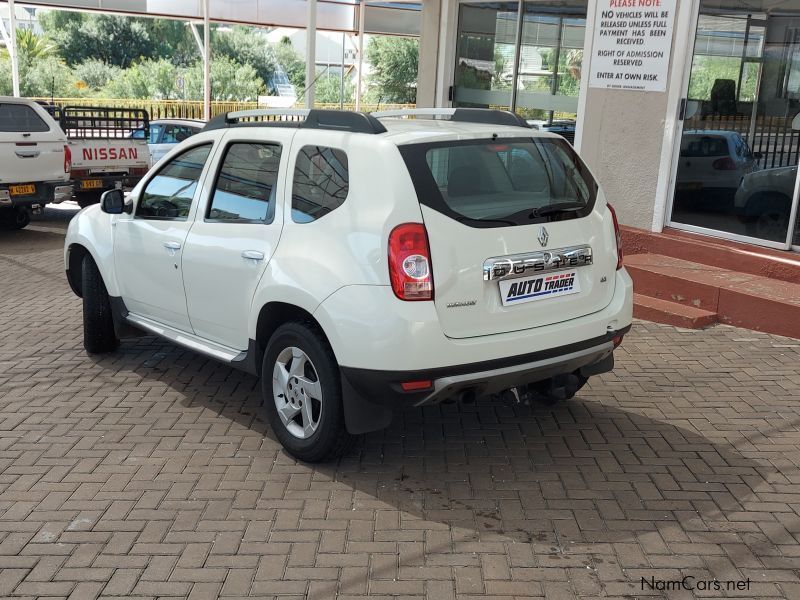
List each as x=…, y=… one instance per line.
x=113, y=203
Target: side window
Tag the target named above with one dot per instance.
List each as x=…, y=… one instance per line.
x=247, y=184
x=321, y=182
x=169, y=194
x=155, y=132
x=174, y=134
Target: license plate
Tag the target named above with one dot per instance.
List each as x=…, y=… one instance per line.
x=539, y=287
x=22, y=190
x=91, y=184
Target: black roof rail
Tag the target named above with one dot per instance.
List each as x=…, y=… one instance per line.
x=465, y=115
x=334, y=120
x=489, y=116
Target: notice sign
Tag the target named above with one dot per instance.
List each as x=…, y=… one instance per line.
x=632, y=40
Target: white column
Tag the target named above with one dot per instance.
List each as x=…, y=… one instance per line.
x=13, y=48
x=206, y=61
x=311, y=52
x=428, y=53
x=359, y=77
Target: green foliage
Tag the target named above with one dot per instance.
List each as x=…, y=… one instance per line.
x=328, y=89
x=395, y=65
x=48, y=76
x=246, y=46
x=34, y=46
x=292, y=63
x=707, y=69
x=117, y=41
x=96, y=74
x=229, y=81
x=6, y=87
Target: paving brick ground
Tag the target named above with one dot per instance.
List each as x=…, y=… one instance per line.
x=149, y=474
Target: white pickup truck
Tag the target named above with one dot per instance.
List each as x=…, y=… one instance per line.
x=34, y=162
x=104, y=155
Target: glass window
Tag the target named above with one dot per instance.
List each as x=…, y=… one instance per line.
x=321, y=183
x=695, y=146
x=174, y=134
x=501, y=182
x=21, y=118
x=169, y=194
x=155, y=133
x=247, y=184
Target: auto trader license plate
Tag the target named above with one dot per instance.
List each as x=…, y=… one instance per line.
x=22, y=190
x=91, y=184
x=538, y=287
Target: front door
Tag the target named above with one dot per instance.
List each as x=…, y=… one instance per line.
x=736, y=173
x=235, y=234
x=148, y=245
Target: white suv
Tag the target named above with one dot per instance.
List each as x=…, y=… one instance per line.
x=363, y=263
x=35, y=161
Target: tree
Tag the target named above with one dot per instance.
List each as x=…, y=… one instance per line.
x=117, y=41
x=34, y=46
x=246, y=46
x=395, y=65
x=229, y=81
x=328, y=89
x=96, y=74
x=292, y=63
x=6, y=87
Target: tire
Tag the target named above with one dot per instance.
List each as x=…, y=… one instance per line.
x=300, y=373
x=98, y=325
x=769, y=217
x=14, y=219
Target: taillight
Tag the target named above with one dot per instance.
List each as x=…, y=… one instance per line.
x=67, y=159
x=410, y=267
x=724, y=164
x=617, y=235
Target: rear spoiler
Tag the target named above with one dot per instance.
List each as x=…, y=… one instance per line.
x=103, y=122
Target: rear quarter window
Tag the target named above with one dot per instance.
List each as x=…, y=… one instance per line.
x=321, y=182
x=21, y=118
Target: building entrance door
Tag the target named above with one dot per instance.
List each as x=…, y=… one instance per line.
x=736, y=170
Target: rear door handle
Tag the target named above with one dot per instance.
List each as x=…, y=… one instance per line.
x=172, y=247
x=28, y=153
x=253, y=255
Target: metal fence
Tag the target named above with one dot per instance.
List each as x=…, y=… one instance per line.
x=192, y=109
x=773, y=137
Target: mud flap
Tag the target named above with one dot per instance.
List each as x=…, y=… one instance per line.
x=361, y=415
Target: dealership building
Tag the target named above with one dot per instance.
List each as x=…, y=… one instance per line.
x=685, y=110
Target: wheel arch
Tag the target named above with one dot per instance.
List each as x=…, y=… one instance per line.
x=758, y=201
x=75, y=255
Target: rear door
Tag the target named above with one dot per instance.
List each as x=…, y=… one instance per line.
x=515, y=242
x=235, y=233
x=31, y=144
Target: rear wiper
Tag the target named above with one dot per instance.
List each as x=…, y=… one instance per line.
x=464, y=219
x=552, y=209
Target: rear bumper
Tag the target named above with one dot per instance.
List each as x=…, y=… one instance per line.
x=107, y=182
x=589, y=357
x=46, y=192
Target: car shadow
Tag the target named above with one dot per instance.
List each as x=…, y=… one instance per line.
x=587, y=471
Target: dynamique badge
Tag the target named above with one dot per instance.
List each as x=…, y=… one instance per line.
x=543, y=236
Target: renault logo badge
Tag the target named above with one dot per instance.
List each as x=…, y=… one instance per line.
x=543, y=237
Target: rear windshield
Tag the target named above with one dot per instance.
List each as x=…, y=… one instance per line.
x=495, y=183
x=693, y=146
x=20, y=118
